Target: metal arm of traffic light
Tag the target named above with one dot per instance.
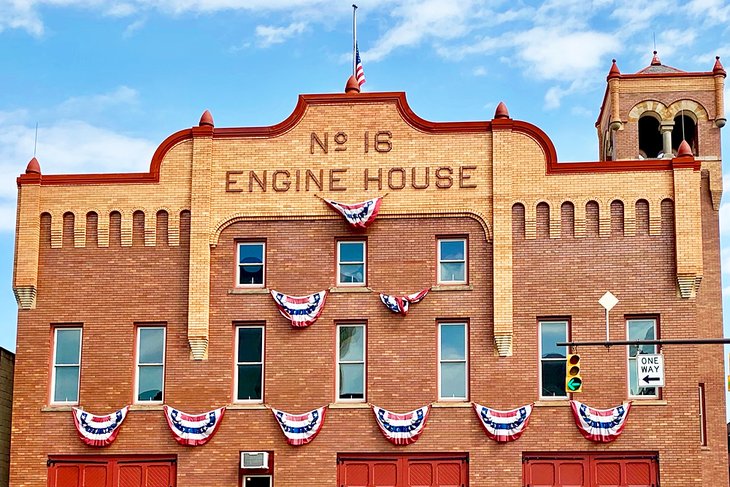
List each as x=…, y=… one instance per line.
x=663, y=341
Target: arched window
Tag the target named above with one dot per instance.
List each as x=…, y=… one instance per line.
x=685, y=128
x=650, y=139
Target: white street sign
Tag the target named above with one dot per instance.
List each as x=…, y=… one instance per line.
x=650, y=370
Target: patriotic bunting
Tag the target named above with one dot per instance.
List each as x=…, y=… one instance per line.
x=193, y=430
x=600, y=425
x=302, y=311
x=359, y=215
x=503, y=426
x=400, y=304
x=300, y=429
x=98, y=430
x=402, y=429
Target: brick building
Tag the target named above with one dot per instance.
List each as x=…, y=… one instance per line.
x=153, y=289
x=7, y=362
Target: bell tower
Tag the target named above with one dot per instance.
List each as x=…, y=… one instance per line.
x=648, y=114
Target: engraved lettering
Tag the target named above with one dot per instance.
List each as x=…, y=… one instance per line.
x=397, y=170
x=334, y=179
x=463, y=176
x=252, y=176
x=369, y=178
x=230, y=182
x=367, y=141
x=315, y=139
x=340, y=140
x=414, y=183
x=285, y=184
x=310, y=176
x=444, y=182
x=382, y=141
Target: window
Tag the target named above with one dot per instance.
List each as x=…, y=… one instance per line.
x=257, y=481
x=150, y=364
x=251, y=269
x=703, y=418
x=552, y=359
x=640, y=329
x=66, y=365
x=452, y=351
x=452, y=261
x=351, y=363
x=650, y=138
x=351, y=263
x=249, y=363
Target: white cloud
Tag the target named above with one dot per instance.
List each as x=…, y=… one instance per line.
x=725, y=215
x=269, y=35
x=133, y=27
x=81, y=105
x=726, y=292
x=725, y=259
x=710, y=12
x=479, y=71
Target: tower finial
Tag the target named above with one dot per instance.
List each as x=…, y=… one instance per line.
x=614, y=72
x=655, y=60
x=718, y=68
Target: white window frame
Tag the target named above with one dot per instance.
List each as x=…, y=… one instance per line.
x=465, y=361
x=364, y=263
x=364, y=363
x=440, y=261
x=629, y=360
x=541, y=359
x=236, y=363
x=138, y=365
x=239, y=264
x=54, y=365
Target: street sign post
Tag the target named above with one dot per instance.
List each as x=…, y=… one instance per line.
x=650, y=370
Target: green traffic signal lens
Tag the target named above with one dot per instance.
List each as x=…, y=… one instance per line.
x=574, y=384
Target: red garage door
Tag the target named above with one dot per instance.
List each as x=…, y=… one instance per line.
x=422, y=470
x=590, y=470
x=101, y=471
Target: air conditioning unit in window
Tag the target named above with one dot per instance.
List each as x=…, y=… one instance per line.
x=252, y=460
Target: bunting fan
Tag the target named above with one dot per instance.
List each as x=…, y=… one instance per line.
x=300, y=429
x=98, y=430
x=301, y=311
x=400, y=304
x=503, y=426
x=402, y=429
x=359, y=215
x=600, y=425
x=193, y=429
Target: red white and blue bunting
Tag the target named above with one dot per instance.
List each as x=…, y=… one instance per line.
x=193, y=429
x=301, y=311
x=402, y=429
x=359, y=215
x=300, y=429
x=400, y=304
x=600, y=425
x=98, y=430
x=503, y=426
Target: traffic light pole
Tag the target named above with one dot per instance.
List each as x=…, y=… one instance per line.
x=664, y=341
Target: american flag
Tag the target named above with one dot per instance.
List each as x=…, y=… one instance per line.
x=359, y=73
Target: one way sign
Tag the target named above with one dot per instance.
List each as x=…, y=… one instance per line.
x=650, y=370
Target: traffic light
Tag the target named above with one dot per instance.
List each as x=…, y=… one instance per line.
x=573, y=381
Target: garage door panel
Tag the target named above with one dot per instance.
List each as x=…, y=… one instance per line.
x=66, y=476
x=448, y=474
x=103, y=471
x=608, y=474
x=158, y=476
x=420, y=475
x=590, y=470
x=419, y=470
x=385, y=474
x=95, y=476
x=130, y=476
x=356, y=474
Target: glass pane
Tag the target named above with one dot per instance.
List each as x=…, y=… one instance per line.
x=249, y=344
x=249, y=382
x=452, y=249
x=151, y=345
x=641, y=330
x=634, y=388
x=68, y=343
x=352, y=273
x=150, y=383
x=453, y=271
x=453, y=380
x=251, y=274
x=453, y=346
x=352, y=384
x=352, y=345
x=67, y=384
x=251, y=254
x=550, y=334
x=257, y=482
x=553, y=378
x=352, y=252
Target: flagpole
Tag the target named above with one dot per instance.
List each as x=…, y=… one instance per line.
x=354, y=37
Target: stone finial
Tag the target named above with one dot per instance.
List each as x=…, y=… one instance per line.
x=33, y=167
x=655, y=60
x=206, y=119
x=501, y=111
x=614, y=72
x=352, y=85
x=684, y=149
x=718, y=69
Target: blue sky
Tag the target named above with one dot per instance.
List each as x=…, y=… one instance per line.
x=108, y=80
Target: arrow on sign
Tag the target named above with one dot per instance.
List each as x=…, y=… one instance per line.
x=651, y=379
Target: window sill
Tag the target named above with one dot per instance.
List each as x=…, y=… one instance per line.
x=242, y=406
x=59, y=408
x=353, y=289
x=452, y=404
x=349, y=405
x=648, y=402
x=705, y=448
x=145, y=407
x=452, y=287
x=247, y=290
x=562, y=403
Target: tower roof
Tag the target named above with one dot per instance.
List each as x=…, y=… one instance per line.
x=656, y=67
